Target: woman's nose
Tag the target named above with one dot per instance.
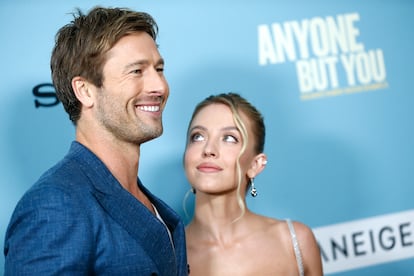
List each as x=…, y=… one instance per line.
x=208, y=154
x=210, y=150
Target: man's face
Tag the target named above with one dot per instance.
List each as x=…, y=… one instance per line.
x=134, y=91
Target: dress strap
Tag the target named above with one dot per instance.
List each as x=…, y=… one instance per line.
x=296, y=247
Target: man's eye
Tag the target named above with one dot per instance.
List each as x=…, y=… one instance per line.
x=160, y=69
x=136, y=71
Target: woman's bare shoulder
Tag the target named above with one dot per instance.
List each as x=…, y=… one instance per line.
x=309, y=248
x=274, y=230
x=304, y=234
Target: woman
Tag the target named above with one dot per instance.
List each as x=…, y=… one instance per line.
x=224, y=153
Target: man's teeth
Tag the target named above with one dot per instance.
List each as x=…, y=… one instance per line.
x=151, y=108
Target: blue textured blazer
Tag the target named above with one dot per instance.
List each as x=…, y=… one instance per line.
x=78, y=220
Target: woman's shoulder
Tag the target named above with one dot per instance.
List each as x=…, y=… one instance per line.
x=274, y=225
x=281, y=226
x=308, y=247
x=301, y=230
x=303, y=233
x=272, y=229
x=279, y=230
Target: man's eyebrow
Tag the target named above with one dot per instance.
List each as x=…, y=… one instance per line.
x=143, y=62
x=160, y=62
x=135, y=63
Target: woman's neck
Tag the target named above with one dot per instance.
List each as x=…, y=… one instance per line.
x=219, y=219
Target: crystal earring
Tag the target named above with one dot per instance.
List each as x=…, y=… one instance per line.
x=253, y=190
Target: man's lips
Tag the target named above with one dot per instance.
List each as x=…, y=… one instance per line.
x=149, y=108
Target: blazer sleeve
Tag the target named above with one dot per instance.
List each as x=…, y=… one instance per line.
x=46, y=236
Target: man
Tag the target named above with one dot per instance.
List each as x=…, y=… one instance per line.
x=90, y=214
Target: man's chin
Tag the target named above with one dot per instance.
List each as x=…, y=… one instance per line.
x=151, y=136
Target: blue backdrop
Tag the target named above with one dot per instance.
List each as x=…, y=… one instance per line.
x=332, y=79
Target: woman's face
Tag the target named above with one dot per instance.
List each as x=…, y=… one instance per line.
x=213, y=146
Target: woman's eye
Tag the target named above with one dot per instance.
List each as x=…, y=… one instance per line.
x=230, y=138
x=196, y=137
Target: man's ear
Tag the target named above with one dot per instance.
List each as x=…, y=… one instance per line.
x=258, y=164
x=83, y=91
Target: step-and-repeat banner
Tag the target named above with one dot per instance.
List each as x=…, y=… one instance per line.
x=332, y=78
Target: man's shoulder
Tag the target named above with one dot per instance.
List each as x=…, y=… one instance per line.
x=67, y=178
x=63, y=174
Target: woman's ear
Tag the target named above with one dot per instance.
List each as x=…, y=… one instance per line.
x=258, y=164
x=82, y=89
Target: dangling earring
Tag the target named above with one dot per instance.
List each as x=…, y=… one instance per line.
x=193, y=190
x=253, y=190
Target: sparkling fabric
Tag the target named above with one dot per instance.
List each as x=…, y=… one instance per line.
x=296, y=247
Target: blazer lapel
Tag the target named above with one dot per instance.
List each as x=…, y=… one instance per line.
x=126, y=210
x=176, y=226
x=143, y=226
